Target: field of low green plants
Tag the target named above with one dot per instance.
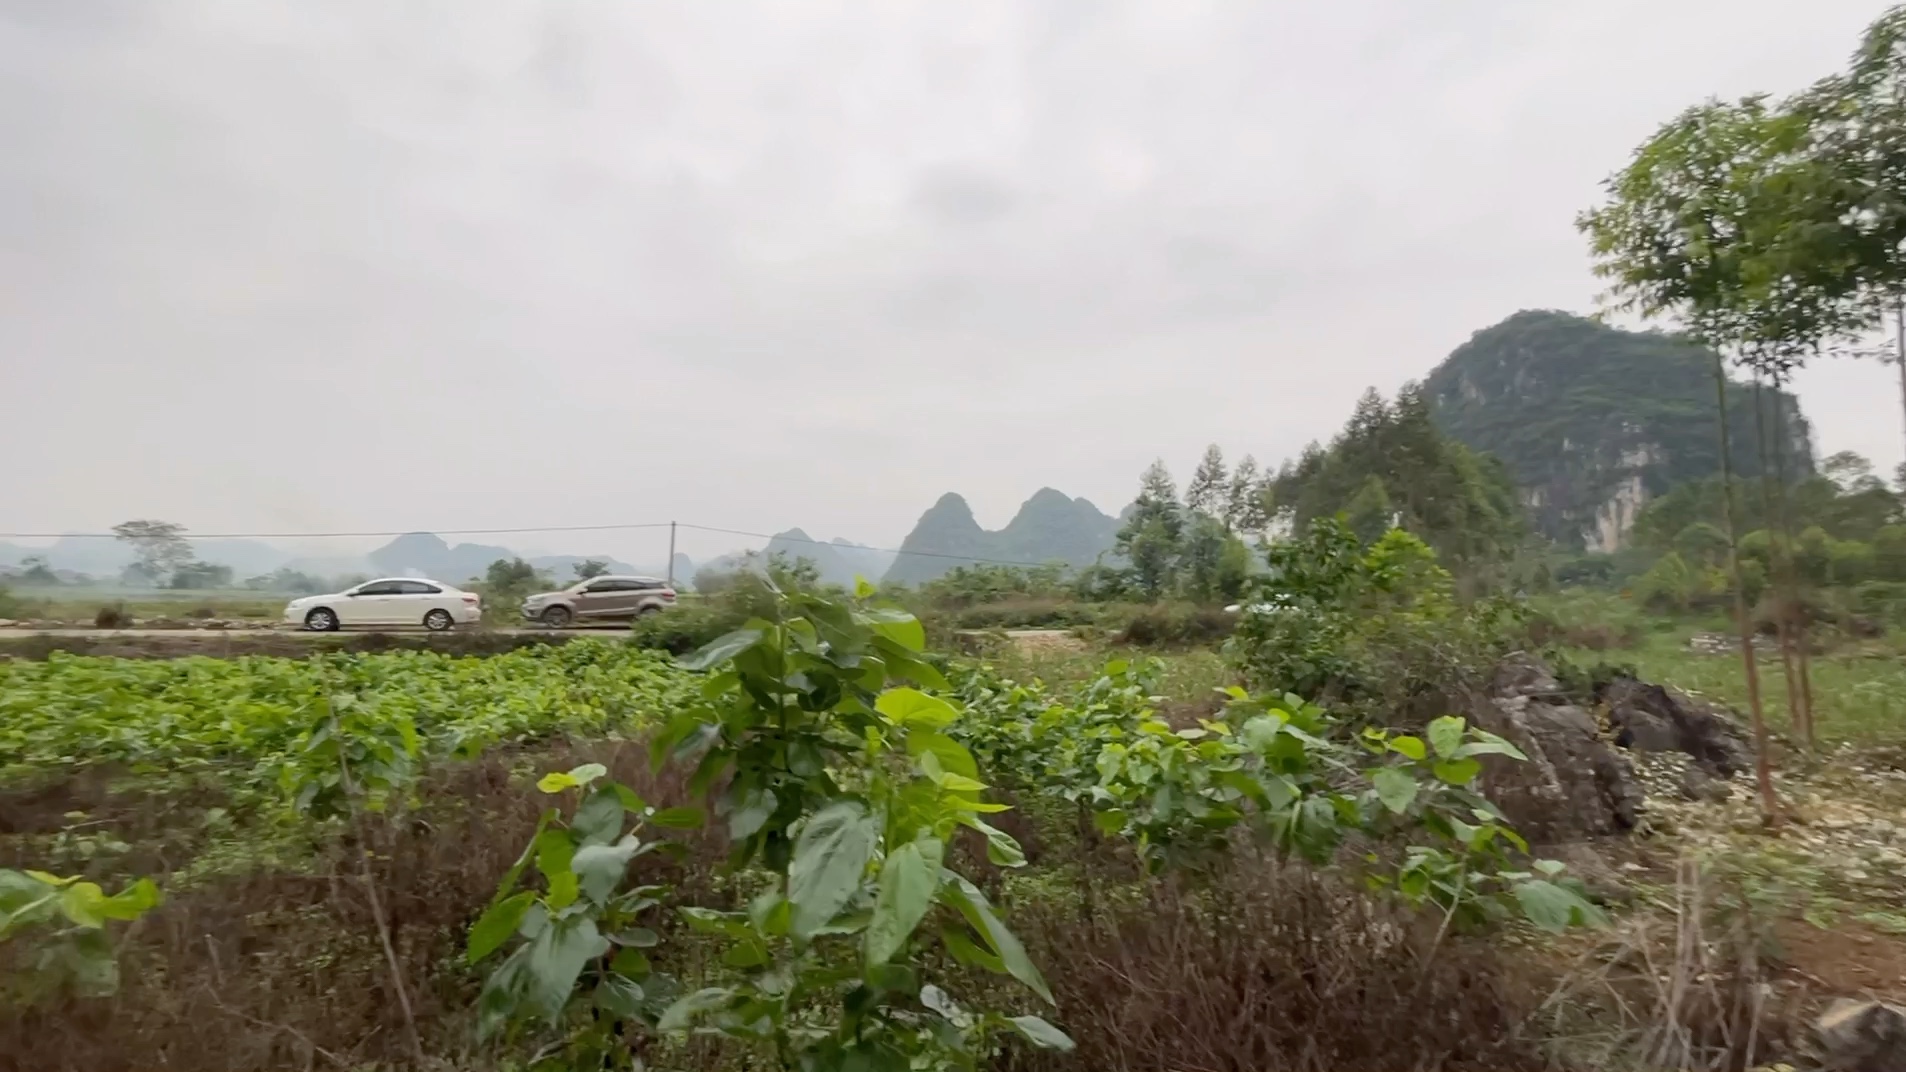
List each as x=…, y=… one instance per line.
x=809, y=844
x=250, y=722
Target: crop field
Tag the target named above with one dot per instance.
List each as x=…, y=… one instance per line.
x=246, y=721
x=812, y=843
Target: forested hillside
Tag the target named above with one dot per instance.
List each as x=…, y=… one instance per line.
x=1392, y=466
x=1593, y=422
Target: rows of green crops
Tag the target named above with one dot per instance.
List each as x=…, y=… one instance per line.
x=244, y=718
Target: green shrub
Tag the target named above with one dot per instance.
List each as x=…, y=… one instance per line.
x=1365, y=628
x=112, y=617
x=1177, y=625
x=1025, y=614
x=1882, y=601
x=682, y=629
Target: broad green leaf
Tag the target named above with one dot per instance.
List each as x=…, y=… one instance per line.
x=898, y=626
x=1041, y=1034
x=1555, y=908
x=554, y=851
x=1490, y=744
x=949, y=753
x=556, y=959
x=905, y=706
x=681, y=1015
x=957, y=783
x=908, y=879
x=132, y=902
x=586, y=773
x=863, y=588
x=1446, y=735
x=962, y=949
x=750, y=952
x=715, y=921
x=722, y=649
x=495, y=926
x=598, y=819
x=829, y=863
x=752, y=813
x=678, y=818
x=1408, y=746
x=1001, y=848
x=966, y=899
x=618, y=996
x=1395, y=788
x=1457, y=771
x=555, y=782
x=941, y=1002
x=599, y=868
x=83, y=903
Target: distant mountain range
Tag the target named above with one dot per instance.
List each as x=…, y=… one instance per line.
x=429, y=555
x=839, y=561
x=1049, y=527
x=413, y=554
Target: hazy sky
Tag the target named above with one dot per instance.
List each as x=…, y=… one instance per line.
x=389, y=264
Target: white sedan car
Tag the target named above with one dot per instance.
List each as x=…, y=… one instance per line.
x=391, y=601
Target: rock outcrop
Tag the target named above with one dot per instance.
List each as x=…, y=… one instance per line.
x=1862, y=1036
x=1650, y=718
x=1579, y=781
x=1575, y=785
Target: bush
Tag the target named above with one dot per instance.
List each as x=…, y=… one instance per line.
x=112, y=617
x=1883, y=601
x=681, y=629
x=1366, y=628
x=1024, y=614
x=1598, y=621
x=1177, y=625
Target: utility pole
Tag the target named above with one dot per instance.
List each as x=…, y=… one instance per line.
x=671, y=554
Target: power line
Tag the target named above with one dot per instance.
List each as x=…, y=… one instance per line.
x=521, y=531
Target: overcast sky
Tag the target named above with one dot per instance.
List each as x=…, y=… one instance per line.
x=391, y=264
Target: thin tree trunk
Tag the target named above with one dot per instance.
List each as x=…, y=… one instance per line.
x=1899, y=338
x=1804, y=622
x=1783, y=563
x=1763, y=771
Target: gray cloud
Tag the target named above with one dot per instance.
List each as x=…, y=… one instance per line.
x=365, y=264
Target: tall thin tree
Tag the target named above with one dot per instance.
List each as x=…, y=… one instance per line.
x=1667, y=241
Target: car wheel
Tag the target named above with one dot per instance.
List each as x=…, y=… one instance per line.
x=556, y=617
x=652, y=608
x=438, y=621
x=321, y=620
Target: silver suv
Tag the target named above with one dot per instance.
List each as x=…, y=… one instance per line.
x=600, y=599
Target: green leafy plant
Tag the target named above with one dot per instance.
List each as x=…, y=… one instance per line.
x=1284, y=771
x=62, y=923
x=579, y=963
x=845, y=787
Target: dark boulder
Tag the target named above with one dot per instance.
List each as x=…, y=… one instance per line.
x=1574, y=785
x=1863, y=1036
x=1649, y=718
